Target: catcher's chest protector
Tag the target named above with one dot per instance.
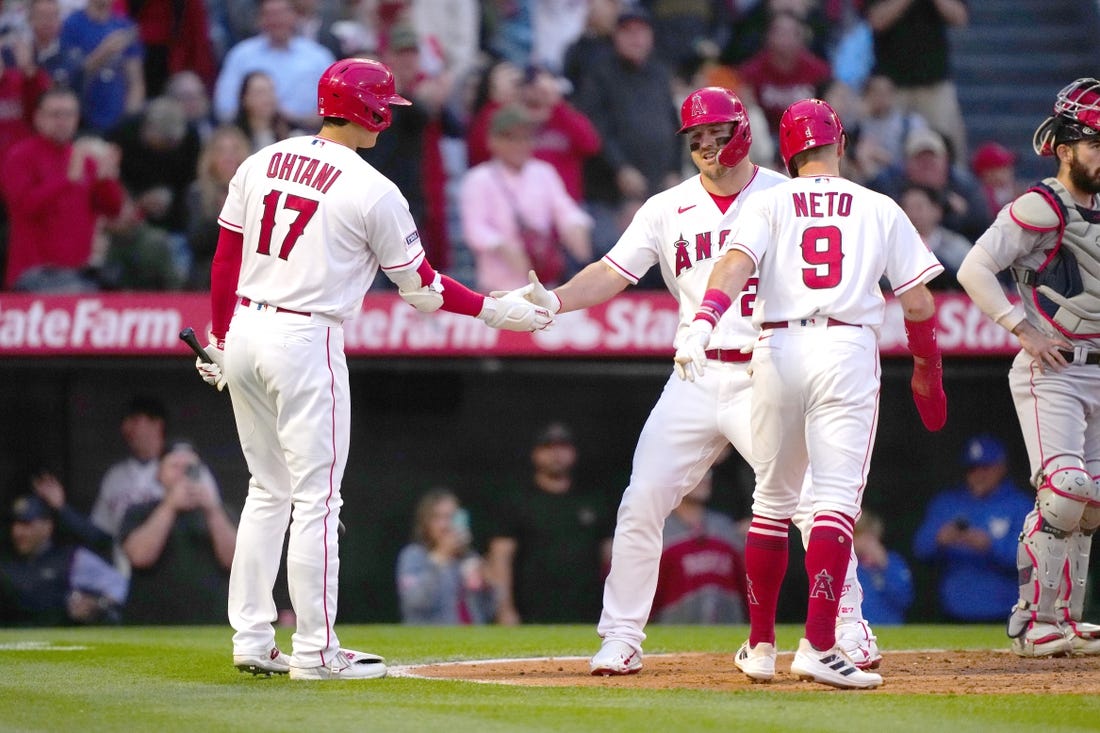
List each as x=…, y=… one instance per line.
x=1066, y=287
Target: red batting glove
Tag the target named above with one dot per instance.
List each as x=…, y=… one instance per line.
x=927, y=382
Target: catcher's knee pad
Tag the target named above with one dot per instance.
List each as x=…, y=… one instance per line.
x=1090, y=519
x=1065, y=489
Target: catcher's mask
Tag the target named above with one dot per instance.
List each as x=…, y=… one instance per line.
x=1076, y=117
x=714, y=105
x=359, y=91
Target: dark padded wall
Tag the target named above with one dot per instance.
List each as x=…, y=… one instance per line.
x=468, y=424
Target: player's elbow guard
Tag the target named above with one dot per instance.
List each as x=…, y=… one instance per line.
x=425, y=298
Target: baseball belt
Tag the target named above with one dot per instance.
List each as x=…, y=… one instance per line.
x=278, y=308
x=1093, y=357
x=728, y=355
x=806, y=322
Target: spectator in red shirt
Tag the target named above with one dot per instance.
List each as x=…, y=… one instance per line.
x=785, y=70
x=55, y=189
x=702, y=575
x=176, y=36
x=994, y=166
x=409, y=154
x=21, y=83
x=564, y=136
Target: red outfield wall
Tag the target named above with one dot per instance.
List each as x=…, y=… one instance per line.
x=634, y=325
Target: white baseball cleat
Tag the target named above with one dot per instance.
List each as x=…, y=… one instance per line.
x=267, y=664
x=616, y=657
x=346, y=665
x=757, y=662
x=1084, y=638
x=854, y=636
x=832, y=667
x=1041, y=639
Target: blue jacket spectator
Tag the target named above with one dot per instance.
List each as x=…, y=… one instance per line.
x=971, y=532
x=43, y=583
x=106, y=46
x=883, y=574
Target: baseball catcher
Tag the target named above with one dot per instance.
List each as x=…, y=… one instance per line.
x=1047, y=239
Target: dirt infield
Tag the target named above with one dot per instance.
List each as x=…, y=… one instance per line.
x=933, y=672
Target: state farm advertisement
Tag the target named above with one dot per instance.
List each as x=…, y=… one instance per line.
x=637, y=325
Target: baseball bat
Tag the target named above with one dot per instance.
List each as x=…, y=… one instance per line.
x=187, y=336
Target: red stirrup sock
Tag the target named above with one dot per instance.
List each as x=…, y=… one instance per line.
x=827, y=555
x=765, y=566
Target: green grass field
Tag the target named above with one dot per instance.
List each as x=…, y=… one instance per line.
x=182, y=679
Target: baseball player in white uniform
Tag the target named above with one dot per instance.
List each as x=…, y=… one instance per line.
x=305, y=227
x=820, y=244
x=1047, y=239
x=683, y=230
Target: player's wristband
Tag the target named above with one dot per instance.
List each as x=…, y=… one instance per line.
x=715, y=303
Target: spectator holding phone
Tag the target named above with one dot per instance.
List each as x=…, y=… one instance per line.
x=970, y=532
x=180, y=547
x=440, y=579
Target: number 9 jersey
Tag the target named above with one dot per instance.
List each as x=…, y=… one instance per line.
x=303, y=206
x=844, y=239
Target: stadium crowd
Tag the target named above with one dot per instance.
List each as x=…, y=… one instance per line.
x=122, y=120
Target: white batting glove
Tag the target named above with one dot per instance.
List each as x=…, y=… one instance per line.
x=211, y=372
x=691, y=357
x=534, y=292
x=514, y=313
x=540, y=296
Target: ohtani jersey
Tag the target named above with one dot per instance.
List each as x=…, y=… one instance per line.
x=821, y=244
x=684, y=231
x=303, y=205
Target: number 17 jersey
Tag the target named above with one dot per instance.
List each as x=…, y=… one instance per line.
x=318, y=221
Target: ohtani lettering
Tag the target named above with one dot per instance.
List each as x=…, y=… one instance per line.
x=304, y=170
x=820, y=204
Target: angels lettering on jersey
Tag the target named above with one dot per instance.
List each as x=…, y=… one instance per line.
x=702, y=246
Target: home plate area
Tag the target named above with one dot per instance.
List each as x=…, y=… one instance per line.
x=918, y=672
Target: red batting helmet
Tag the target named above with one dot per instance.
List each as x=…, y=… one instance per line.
x=808, y=124
x=711, y=105
x=359, y=91
x=1076, y=117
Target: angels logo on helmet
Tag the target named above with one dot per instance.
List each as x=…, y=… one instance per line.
x=711, y=105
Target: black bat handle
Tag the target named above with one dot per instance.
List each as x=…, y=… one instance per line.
x=187, y=336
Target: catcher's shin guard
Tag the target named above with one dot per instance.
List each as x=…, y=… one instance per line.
x=1040, y=562
x=1080, y=545
x=1084, y=637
